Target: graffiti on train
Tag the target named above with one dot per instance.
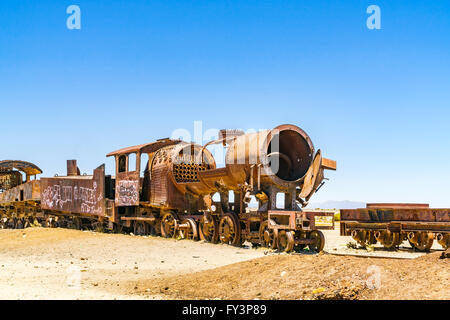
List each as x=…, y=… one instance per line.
x=57, y=197
x=127, y=193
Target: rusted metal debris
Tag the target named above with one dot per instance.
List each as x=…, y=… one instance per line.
x=391, y=224
x=172, y=194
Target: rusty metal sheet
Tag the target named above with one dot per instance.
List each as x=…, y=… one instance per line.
x=145, y=148
x=397, y=205
x=27, y=167
x=329, y=164
x=29, y=191
x=77, y=194
x=387, y=215
x=283, y=219
x=321, y=220
x=127, y=189
x=312, y=175
x=9, y=179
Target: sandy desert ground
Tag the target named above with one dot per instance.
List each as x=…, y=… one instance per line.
x=40, y=263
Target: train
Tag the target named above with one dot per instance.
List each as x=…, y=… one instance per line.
x=180, y=192
x=393, y=223
x=175, y=189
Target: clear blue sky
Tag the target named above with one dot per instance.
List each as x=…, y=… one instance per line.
x=377, y=101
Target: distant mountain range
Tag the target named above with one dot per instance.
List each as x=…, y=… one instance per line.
x=345, y=204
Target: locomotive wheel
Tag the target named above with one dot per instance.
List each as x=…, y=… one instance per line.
x=19, y=224
x=169, y=226
x=391, y=240
x=267, y=237
x=319, y=241
x=367, y=239
x=117, y=228
x=209, y=229
x=11, y=223
x=76, y=223
x=229, y=229
x=444, y=240
x=424, y=241
x=154, y=229
x=192, y=232
x=28, y=222
x=285, y=241
x=140, y=228
x=98, y=226
x=50, y=222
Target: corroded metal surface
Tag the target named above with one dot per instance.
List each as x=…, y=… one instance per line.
x=29, y=191
x=27, y=167
x=397, y=205
x=393, y=214
x=75, y=194
x=391, y=224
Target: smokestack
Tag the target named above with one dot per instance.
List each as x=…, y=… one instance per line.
x=72, y=169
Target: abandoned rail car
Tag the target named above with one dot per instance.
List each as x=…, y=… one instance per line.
x=173, y=195
x=392, y=223
x=19, y=193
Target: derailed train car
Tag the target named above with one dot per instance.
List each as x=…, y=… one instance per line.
x=173, y=197
x=392, y=223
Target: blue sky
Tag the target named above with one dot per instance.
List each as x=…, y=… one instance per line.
x=377, y=101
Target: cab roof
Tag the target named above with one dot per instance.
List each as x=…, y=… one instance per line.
x=27, y=167
x=145, y=148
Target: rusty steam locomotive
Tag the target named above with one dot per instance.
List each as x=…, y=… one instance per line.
x=279, y=169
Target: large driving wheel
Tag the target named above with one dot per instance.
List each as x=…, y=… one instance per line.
x=318, y=241
x=169, y=225
x=209, y=229
x=285, y=240
x=192, y=232
x=230, y=230
x=267, y=237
